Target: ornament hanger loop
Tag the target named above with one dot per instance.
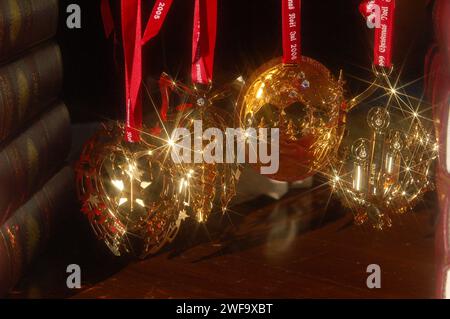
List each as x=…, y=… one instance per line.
x=380, y=74
x=382, y=61
x=381, y=71
x=290, y=65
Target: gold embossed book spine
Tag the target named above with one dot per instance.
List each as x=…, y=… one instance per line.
x=31, y=159
x=25, y=23
x=27, y=87
x=26, y=234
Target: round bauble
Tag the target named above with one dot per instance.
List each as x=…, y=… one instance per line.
x=127, y=193
x=306, y=103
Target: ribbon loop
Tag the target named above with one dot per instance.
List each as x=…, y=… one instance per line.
x=381, y=14
x=131, y=38
x=156, y=20
x=132, y=45
x=204, y=41
x=291, y=23
x=108, y=22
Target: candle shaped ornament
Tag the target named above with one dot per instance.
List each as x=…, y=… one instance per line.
x=360, y=152
x=388, y=173
x=378, y=120
x=392, y=162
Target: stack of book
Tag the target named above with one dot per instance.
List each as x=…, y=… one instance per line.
x=36, y=185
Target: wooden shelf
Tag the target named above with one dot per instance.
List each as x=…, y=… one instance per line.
x=292, y=248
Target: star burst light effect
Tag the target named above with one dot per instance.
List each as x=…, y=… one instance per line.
x=126, y=194
x=386, y=172
x=135, y=195
x=203, y=184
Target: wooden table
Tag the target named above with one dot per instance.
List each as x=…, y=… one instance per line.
x=301, y=246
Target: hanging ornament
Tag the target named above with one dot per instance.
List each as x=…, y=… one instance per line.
x=387, y=172
x=127, y=193
x=196, y=109
x=299, y=96
x=384, y=168
x=123, y=180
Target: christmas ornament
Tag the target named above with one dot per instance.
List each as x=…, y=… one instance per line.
x=299, y=96
x=305, y=102
x=124, y=181
x=203, y=183
x=386, y=172
x=127, y=193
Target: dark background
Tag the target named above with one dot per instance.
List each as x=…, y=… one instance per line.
x=249, y=34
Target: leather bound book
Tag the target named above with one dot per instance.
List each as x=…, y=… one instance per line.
x=26, y=234
x=30, y=159
x=24, y=23
x=27, y=86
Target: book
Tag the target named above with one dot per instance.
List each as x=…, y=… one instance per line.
x=26, y=234
x=27, y=86
x=24, y=23
x=30, y=159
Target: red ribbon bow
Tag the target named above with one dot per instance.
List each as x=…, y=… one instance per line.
x=131, y=11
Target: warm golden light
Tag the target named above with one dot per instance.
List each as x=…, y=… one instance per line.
x=199, y=183
x=140, y=202
x=125, y=191
x=118, y=184
x=304, y=101
x=144, y=184
x=388, y=173
x=260, y=92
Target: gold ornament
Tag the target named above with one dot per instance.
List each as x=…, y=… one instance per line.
x=388, y=171
x=306, y=103
x=127, y=193
x=203, y=184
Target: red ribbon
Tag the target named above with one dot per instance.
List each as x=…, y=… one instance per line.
x=131, y=11
x=166, y=86
x=204, y=41
x=291, y=21
x=366, y=8
x=156, y=20
x=132, y=47
x=384, y=10
x=108, y=22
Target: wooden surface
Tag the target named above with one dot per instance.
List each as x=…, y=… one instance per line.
x=292, y=248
